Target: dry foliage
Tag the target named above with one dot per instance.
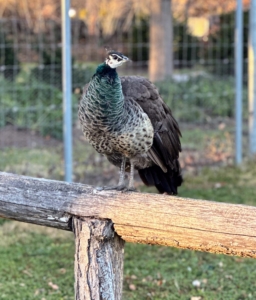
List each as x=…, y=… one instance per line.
x=107, y=15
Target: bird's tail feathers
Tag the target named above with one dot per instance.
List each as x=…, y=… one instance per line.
x=164, y=182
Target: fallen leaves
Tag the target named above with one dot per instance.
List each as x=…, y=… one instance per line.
x=27, y=273
x=62, y=271
x=134, y=283
x=53, y=286
x=39, y=291
x=132, y=287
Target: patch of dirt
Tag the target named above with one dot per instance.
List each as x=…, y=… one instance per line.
x=11, y=136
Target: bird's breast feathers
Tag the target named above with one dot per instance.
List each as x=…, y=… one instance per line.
x=133, y=138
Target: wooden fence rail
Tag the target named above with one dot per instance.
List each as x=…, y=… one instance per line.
x=102, y=220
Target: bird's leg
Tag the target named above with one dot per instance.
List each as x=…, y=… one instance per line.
x=131, y=181
x=120, y=186
x=122, y=171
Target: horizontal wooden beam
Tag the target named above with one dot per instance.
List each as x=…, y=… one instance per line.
x=143, y=218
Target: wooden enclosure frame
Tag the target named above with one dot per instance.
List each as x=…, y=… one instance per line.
x=103, y=220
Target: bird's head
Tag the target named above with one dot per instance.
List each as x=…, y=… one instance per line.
x=115, y=59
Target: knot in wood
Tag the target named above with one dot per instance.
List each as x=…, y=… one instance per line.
x=102, y=230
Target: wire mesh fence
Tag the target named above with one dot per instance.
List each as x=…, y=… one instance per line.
x=200, y=91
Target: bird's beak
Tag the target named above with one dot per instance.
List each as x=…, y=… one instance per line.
x=125, y=58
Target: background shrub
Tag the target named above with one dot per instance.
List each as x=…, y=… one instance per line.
x=37, y=106
x=50, y=70
x=201, y=98
x=9, y=63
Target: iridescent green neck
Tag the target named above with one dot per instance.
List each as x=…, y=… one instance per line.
x=105, y=70
x=105, y=95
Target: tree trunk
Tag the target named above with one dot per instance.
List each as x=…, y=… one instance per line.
x=161, y=38
x=98, y=260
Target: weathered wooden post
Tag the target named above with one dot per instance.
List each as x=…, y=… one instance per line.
x=98, y=260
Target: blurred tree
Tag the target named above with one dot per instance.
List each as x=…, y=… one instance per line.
x=113, y=14
x=104, y=17
x=101, y=17
x=31, y=11
x=9, y=63
x=161, y=39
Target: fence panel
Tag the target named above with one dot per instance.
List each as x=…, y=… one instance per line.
x=200, y=92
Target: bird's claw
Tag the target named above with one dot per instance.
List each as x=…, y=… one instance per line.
x=117, y=187
x=129, y=189
x=121, y=188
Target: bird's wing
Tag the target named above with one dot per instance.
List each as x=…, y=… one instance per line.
x=166, y=144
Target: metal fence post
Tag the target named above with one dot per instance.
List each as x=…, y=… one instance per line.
x=239, y=79
x=67, y=88
x=252, y=78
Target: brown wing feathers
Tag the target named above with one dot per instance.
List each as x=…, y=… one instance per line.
x=166, y=173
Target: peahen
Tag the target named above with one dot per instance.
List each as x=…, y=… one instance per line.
x=125, y=119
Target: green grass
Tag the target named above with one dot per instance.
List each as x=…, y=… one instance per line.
x=48, y=162
x=230, y=184
x=192, y=138
x=45, y=163
x=166, y=273
x=37, y=262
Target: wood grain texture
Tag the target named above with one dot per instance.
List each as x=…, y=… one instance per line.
x=143, y=218
x=98, y=260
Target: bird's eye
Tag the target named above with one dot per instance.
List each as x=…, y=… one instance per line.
x=115, y=57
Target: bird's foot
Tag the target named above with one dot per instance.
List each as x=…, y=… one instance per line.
x=120, y=187
x=129, y=189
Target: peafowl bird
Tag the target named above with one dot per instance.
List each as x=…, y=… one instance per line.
x=125, y=119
